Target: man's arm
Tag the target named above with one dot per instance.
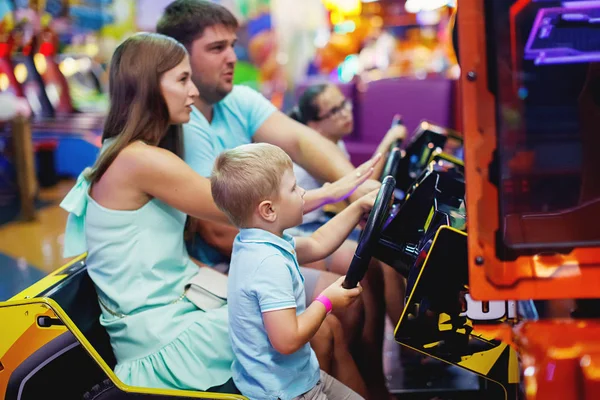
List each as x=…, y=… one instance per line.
x=342, y=189
x=319, y=156
x=220, y=236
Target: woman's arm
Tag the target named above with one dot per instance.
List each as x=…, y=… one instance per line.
x=396, y=132
x=163, y=175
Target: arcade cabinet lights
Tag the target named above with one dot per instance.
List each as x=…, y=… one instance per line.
x=40, y=63
x=415, y=6
x=349, y=68
x=346, y=7
x=21, y=73
x=341, y=10
x=68, y=67
x=4, y=82
x=345, y=27
x=47, y=49
x=5, y=49
x=91, y=50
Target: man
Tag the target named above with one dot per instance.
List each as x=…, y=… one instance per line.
x=226, y=116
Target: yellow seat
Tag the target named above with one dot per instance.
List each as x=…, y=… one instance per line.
x=56, y=348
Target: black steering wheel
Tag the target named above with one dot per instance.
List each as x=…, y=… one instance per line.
x=393, y=160
x=395, y=153
x=370, y=235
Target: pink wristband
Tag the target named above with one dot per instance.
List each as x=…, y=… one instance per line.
x=326, y=302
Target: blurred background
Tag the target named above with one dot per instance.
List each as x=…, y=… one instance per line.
x=387, y=56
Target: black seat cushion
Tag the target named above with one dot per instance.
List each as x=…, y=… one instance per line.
x=78, y=298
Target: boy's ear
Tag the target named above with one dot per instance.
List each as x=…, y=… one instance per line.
x=266, y=210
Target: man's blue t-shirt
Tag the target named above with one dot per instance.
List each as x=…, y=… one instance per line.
x=265, y=276
x=235, y=120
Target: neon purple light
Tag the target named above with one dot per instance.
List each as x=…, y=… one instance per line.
x=559, y=33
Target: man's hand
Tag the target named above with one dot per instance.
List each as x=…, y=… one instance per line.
x=355, y=184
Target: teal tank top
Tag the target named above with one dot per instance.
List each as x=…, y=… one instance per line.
x=139, y=265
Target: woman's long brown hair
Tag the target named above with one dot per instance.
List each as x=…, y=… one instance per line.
x=137, y=108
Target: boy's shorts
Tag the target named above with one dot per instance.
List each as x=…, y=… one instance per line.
x=329, y=388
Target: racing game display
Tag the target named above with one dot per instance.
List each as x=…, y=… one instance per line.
x=544, y=69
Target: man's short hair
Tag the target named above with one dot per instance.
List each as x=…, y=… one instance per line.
x=186, y=20
x=245, y=176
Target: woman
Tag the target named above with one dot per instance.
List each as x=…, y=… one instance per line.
x=128, y=213
x=324, y=108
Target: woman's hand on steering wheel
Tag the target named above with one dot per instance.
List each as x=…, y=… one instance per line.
x=396, y=132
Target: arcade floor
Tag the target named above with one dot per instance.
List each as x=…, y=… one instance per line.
x=30, y=250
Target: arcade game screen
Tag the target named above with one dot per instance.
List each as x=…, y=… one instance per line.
x=544, y=69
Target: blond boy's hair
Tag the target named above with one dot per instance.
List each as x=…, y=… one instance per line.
x=245, y=176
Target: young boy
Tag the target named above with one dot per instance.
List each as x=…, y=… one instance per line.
x=270, y=326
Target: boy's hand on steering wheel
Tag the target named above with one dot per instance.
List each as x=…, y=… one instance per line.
x=355, y=184
x=367, y=202
x=340, y=297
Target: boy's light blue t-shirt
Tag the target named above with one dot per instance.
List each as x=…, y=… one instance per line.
x=265, y=276
x=235, y=120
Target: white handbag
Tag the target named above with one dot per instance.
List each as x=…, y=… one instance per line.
x=207, y=289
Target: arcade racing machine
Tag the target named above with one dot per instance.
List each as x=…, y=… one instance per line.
x=482, y=245
x=427, y=141
x=531, y=86
x=531, y=91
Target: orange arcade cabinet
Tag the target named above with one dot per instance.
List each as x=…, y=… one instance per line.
x=531, y=111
